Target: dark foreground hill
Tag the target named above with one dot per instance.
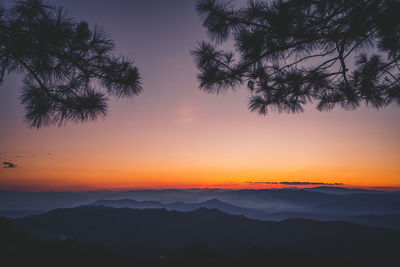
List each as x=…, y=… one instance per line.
x=18, y=250
x=158, y=232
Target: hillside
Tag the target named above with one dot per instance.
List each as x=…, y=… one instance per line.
x=156, y=232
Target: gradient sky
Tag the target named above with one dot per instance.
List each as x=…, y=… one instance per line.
x=173, y=135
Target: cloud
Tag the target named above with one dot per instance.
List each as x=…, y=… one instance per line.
x=185, y=115
x=295, y=183
x=9, y=165
x=384, y=187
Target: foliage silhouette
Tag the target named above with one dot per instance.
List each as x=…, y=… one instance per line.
x=294, y=52
x=69, y=71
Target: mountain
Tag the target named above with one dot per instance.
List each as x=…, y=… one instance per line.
x=183, y=206
x=19, y=213
x=128, y=203
x=341, y=190
x=282, y=200
x=17, y=249
x=391, y=221
x=198, y=255
x=156, y=232
x=22, y=200
x=315, y=202
x=269, y=200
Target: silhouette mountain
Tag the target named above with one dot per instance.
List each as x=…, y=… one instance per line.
x=367, y=207
x=340, y=190
x=22, y=200
x=128, y=203
x=183, y=206
x=155, y=232
x=200, y=255
x=391, y=221
x=315, y=202
x=269, y=200
x=18, y=249
x=19, y=213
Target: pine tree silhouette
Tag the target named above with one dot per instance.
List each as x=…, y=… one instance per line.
x=290, y=53
x=69, y=70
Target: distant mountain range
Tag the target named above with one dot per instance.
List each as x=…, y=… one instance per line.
x=183, y=206
x=341, y=190
x=318, y=200
x=391, y=221
x=366, y=207
x=157, y=232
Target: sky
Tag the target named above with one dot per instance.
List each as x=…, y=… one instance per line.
x=175, y=136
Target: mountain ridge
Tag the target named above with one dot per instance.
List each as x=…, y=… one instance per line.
x=159, y=231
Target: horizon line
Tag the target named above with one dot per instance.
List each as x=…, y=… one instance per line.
x=367, y=188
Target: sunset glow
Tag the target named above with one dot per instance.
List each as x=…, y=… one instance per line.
x=175, y=136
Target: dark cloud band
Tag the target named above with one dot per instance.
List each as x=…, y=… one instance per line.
x=295, y=183
x=9, y=165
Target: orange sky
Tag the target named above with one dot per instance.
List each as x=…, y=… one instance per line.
x=208, y=150
x=173, y=135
